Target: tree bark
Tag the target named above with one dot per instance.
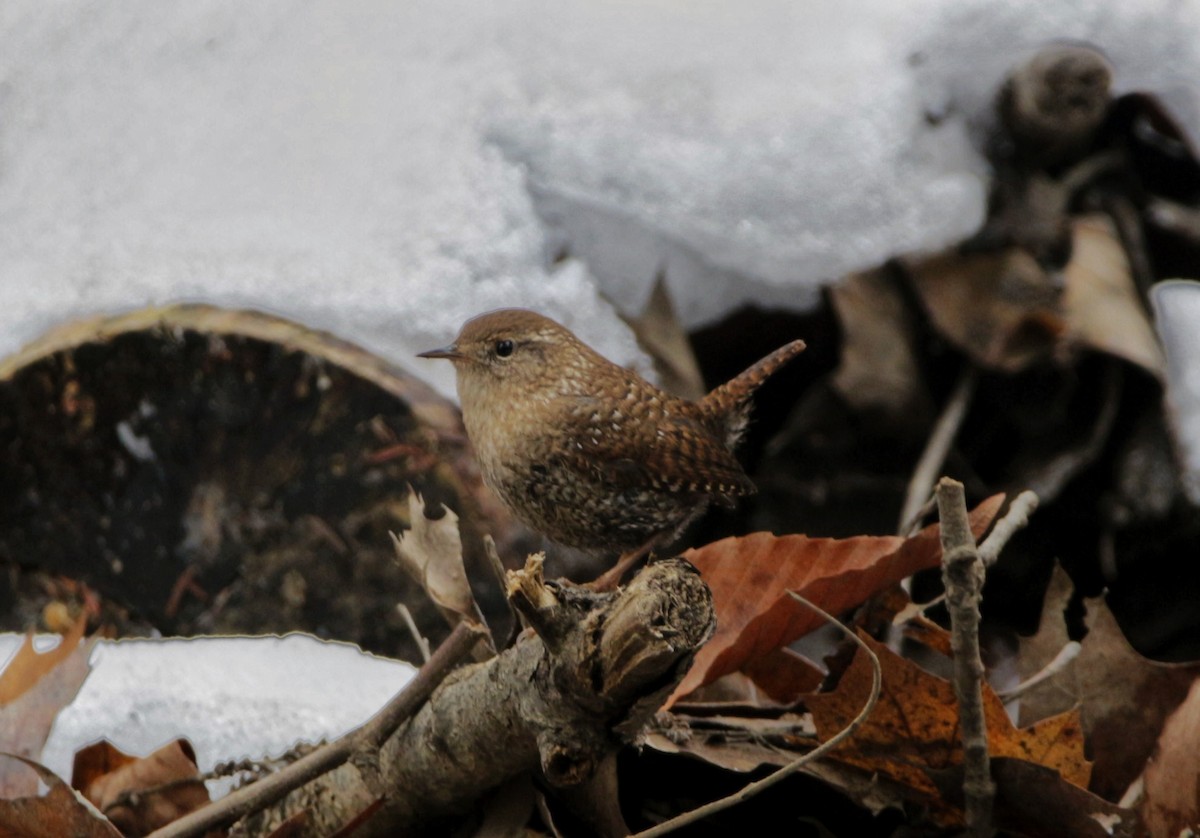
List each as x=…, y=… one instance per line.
x=587, y=678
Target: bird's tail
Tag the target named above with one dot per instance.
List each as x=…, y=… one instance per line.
x=733, y=394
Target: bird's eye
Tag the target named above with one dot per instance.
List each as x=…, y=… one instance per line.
x=504, y=348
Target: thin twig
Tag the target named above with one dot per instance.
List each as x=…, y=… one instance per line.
x=1017, y=516
x=611, y=578
x=1064, y=657
x=459, y=644
x=962, y=574
x=1175, y=218
x=259, y=795
x=517, y=622
x=253, y=769
x=134, y=797
x=421, y=641
x=920, y=485
x=762, y=785
x=547, y=817
x=1133, y=795
x=914, y=521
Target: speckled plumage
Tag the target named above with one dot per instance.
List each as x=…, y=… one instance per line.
x=585, y=451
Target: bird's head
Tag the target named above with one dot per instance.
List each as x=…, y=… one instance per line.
x=512, y=350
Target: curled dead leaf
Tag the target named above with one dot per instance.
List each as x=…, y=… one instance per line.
x=140, y=795
x=750, y=578
x=430, y=551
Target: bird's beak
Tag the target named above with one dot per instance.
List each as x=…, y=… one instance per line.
x=449, y=352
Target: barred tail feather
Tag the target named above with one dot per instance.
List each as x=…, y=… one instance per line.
x=730, y=397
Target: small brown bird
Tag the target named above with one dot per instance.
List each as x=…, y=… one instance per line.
x=587, y=452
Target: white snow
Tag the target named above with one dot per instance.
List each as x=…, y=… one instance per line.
x=231, y=697
x=1177, y=313
x=969, y=45
x=385, y=170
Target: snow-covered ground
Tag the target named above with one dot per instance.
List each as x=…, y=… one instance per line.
x=230, y=697
x=386, y=169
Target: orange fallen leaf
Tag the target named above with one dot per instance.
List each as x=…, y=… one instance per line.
x=750, y=578
x=913, y=730
x=105, y=774
x=33, y=689
x=28, y=665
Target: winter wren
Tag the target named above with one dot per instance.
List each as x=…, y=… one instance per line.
x=587, y=452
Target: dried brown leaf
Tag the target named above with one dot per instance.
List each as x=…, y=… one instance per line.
x=784, y=675
x=1123, y=697
x=1103, y=308
x=1035, y=801
x=431, y=552
x=746, y=743
x=1171, y=803
x=878, y=369
x=663, y=337
x=733, y=753
x=750, y=578
x=913, y=730
x=104, y=774
x=999, y=307
x=36, y=687
x=740, y=742
x=60, y=811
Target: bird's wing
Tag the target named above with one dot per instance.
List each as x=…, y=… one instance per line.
x=667, y=453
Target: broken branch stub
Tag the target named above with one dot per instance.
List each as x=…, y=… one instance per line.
x=558, y=706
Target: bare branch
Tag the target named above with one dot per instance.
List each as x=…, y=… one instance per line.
x=1017, y=517
x=1064, y=657
x=920, y=485
x=274, y=787
x=411, y=625
x=499, y=574
x=962, y=574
